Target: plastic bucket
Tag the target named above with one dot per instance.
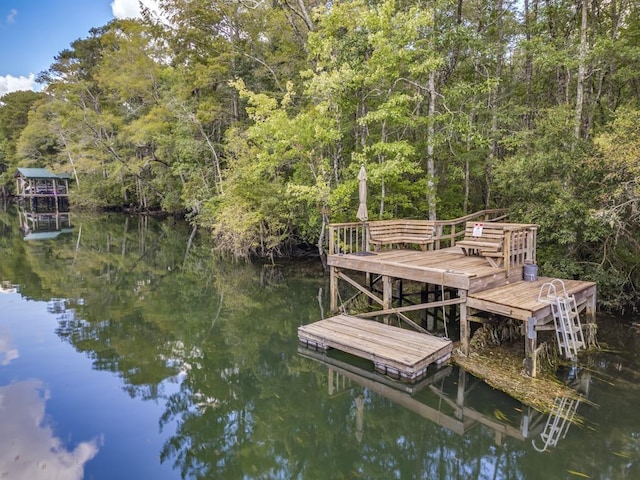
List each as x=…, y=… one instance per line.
x=530, y=272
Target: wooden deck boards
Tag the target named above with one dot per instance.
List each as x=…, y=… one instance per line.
x=395, y=351
x=519, y=300
x=434, y=267
x=448, y=267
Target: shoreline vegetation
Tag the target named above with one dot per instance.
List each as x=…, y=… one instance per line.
x=252, y=119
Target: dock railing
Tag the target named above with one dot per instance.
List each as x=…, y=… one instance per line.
x=520, y=245
x=348, y=237
x=352, y=237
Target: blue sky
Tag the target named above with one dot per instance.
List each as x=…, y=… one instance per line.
x=33, y=32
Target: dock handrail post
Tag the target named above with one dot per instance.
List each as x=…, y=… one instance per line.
x=332, y=235
x=507, y=250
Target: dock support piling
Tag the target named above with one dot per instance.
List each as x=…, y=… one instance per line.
x=591, y=309
x=530, y=346
x=399, y=292
x=464, y=323
x=424, y=298
x=387, y=295
x=333, y=289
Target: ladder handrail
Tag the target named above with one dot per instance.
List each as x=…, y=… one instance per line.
x=551, y=286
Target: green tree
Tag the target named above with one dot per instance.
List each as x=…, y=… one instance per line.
x=617, y=194
x=14, y=117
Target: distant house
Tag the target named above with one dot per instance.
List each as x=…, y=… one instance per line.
x=40, y=182
x=41, y=187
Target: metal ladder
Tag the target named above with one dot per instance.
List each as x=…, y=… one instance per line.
x=566, y=318
x=558, y=422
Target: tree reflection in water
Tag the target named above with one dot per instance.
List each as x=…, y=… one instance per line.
x=215, y=343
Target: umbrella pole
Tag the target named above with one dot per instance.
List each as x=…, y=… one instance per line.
x=364, y=236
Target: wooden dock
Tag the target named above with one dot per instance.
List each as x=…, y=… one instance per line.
x=469, y=281
x=394, y=351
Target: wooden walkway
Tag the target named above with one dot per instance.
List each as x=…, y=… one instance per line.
x=396, y=352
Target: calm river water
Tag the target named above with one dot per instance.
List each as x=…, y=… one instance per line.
x=123, y=355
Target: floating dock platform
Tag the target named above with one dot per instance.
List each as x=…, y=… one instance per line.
x=400, y=353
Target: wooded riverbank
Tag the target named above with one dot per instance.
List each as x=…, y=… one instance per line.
x=257, y=125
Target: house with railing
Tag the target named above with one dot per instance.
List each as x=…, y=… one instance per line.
x=42, y=189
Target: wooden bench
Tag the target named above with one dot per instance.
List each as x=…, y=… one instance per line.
x=504, y=245
x=486, y=240
x=395, y=232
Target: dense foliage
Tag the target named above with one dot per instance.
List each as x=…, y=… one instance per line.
x=255, y=116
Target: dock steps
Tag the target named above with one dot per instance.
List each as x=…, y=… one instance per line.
x=566, y=317
x=400, y=353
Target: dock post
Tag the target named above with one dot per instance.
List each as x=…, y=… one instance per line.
x=387, y=295
x=424, y=298
x=530, y=346
x=399, y=292
x=333, y=289
x=431, y=313
x=591, y=308
x=464, y=323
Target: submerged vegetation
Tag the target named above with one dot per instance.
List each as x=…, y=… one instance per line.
x=254, y=117
x=496, y=356
x=501, y=367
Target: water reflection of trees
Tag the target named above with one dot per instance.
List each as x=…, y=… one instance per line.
x=216, y=343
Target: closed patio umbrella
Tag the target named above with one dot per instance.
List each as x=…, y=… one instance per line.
x=362, y=214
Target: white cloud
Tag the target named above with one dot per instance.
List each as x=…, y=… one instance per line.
x=131, y=8
x=11, y=18
x=8, y=352
x=28, y=447
x=9, y=83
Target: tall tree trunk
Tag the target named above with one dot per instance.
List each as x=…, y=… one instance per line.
x=216, y=159
x=381, y=159
x=528, y=67
x=431, y=169
x=66, y=147
x=494, y=106
x=581, y=71
x=467, y=179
